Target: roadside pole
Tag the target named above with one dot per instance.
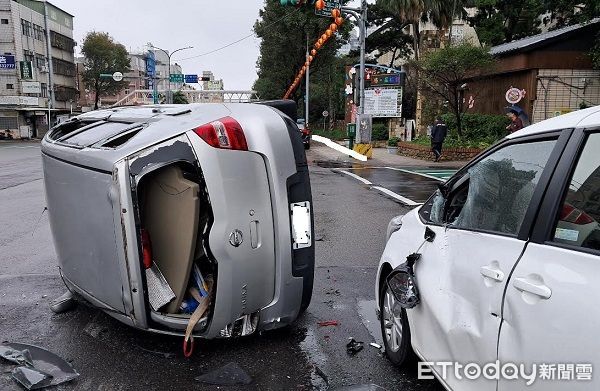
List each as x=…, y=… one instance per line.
x=307, y=97
x=50, y=67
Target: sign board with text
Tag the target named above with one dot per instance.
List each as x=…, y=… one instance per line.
x=191, y=79
x=19, y=100
x=7, y=61
x=31, y=87
x=329, y=6
x=26, y=70
x=386, y=79
x=383, y=102
x=176, y=78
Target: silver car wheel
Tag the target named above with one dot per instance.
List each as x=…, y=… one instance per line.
x=392, y=321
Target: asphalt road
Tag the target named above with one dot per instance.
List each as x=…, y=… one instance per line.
x=350, y=224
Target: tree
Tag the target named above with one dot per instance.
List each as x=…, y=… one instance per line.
x=443, y=72
x=179, y=98
x=103, y=56
x=284, y=32
x=389, y=36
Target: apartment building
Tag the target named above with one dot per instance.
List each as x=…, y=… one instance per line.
x=29, y=31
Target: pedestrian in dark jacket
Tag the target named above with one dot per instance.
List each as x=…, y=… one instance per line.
x=438, y=135
x=515, y=122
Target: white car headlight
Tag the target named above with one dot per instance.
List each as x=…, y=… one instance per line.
x=394, y=225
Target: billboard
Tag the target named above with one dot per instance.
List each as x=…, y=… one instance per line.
x=383, y=102
x=7, y=61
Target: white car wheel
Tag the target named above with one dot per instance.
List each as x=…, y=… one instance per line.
x=394, y=329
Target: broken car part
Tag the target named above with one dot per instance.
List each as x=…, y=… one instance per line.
x=354, y=346
x=63, y=303
x=40, y=367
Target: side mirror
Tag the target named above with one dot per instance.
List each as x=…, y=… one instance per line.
x=402, y=284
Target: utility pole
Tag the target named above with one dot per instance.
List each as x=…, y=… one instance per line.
x=307, y=97
x=50, y=67
x=169, y=95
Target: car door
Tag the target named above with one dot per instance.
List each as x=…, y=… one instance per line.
x=463, y=273
x=551, y=313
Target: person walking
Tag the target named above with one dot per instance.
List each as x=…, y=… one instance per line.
x=515, y=122
x=438, y=135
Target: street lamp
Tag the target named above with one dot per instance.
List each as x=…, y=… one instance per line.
x=169, y=97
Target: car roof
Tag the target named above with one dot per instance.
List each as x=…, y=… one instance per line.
x=589, y=117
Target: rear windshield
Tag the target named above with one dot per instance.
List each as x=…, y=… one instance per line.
x=95, y=134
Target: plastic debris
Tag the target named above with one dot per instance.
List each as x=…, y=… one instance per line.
x=354, y=346
x=375, y=345
x=227, y=375
x=31, y=379
x=40, y=368
x=328, y=323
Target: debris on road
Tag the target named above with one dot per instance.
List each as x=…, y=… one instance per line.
x=321, y=374
x=328, y=323
x=332, y=291
x=354, y=346
x=227, y=375
x=38, y=367
x=375, y=345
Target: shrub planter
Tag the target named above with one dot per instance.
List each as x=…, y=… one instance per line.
x=424, y=152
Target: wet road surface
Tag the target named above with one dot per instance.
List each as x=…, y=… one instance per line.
x=350, y=232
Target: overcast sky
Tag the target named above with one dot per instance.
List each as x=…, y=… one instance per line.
x=204, y=24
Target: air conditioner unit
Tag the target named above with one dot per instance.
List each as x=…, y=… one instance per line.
x=44, y=69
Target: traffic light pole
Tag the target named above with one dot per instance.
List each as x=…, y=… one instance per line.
x=307, y=97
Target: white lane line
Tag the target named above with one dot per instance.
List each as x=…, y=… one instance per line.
x=415, y=173
x=333, y=145
x=359, y=178
x=396, y=196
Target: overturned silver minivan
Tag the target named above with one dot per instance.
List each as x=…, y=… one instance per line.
x=157, y=211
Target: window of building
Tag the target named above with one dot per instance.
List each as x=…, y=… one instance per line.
x=26, y=28
x=38, y=32
x=62, y=42
x=10, y=87
x=44, y=93
x=29, y=56
x=4, y=21
x=40, y=61
x=62, y=67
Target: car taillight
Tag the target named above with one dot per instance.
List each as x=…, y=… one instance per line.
x=146, y=249
x=224, y=133
x=573, y=215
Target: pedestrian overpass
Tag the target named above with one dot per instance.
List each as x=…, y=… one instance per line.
x=144, y=97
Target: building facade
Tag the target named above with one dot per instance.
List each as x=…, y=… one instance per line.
x=29, y=31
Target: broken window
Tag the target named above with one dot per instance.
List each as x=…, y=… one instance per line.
x=580, y=212
x=495, y=193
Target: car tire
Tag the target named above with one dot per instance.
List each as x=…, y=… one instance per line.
x=306, y=145
x=395, y=329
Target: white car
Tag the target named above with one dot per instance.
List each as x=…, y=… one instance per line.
x=506, y=282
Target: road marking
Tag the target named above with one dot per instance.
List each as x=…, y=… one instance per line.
x=333, y=145
x=17, y=147
x=396, y=196
x=416, y=173
x=359, y=178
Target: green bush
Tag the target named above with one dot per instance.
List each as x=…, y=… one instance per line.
x=380, y=132
x=393, y=142
x=335, y=134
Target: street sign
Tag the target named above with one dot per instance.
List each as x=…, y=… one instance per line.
x=191, y=79
x=176, y=78
x=386, y=79
x=26, y=70
x=117, y=76
x=381, y=102
x=7, y=61
x=31, y=87
x=329, y=6
x=325, y=113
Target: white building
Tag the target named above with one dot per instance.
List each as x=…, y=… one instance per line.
x=25, y=69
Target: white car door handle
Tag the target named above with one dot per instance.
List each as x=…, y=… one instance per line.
x=492, y=272
x=526, y=285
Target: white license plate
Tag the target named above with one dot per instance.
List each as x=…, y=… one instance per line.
x=301, y=227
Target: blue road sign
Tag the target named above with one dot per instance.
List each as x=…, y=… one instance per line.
x=191, y=79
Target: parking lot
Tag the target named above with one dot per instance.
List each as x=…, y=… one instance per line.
x=350, y=222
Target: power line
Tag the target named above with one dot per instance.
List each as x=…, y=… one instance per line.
x=241, y=39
